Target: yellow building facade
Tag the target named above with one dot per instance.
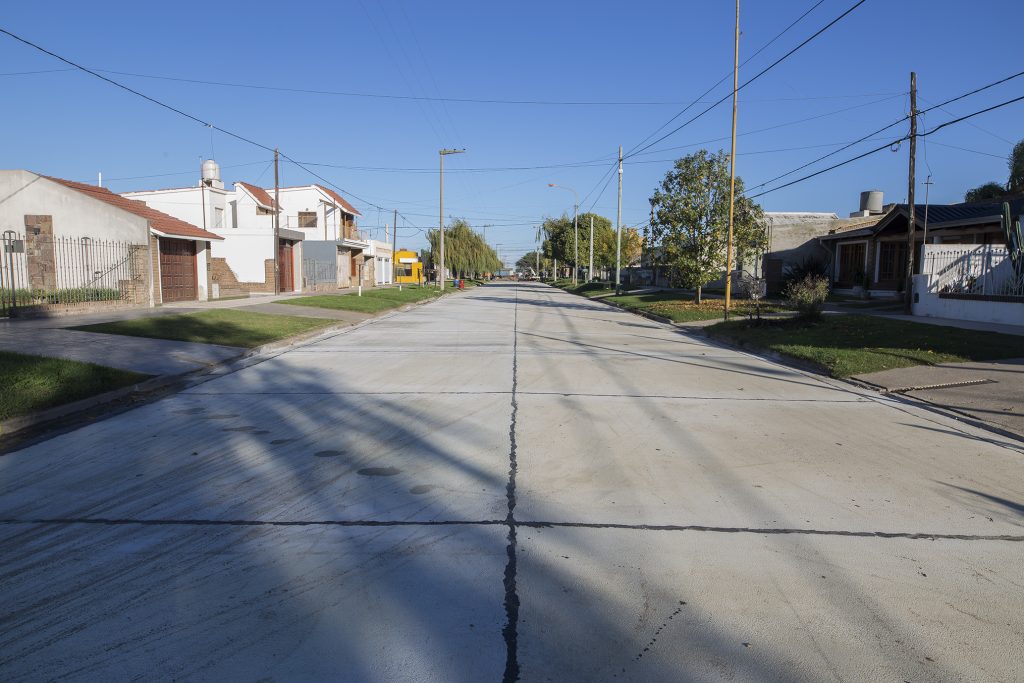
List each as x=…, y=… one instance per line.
x=408, y=269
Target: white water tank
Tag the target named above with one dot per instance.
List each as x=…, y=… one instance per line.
x=211, y=174
x=871, y=201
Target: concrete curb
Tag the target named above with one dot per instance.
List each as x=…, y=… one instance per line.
x=162, y=385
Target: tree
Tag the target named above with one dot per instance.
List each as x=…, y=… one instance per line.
x=465, y=252
x=690, y=220
x=1014, y=184
x=528, y=263
x=988, y=191
x=559, y=238
x=632, y=246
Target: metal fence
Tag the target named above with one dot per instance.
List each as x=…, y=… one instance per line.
x=983, y=270
x=320, y=274
x=43, y=270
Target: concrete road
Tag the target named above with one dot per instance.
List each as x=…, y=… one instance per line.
x=515, y=483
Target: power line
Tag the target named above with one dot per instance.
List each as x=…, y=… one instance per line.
x=894, y=142
x=894, y=123
x=135, y=92
x=754, y=78
x=724, y=78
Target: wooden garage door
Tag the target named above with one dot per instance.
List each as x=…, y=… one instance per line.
x=177, y=270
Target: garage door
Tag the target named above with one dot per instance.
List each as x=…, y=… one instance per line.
x=177, y=270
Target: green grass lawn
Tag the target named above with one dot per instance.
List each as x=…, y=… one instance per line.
x=372, y=300
x=846, y=345
x=680, y=307
x=230, y=327
x=34, y=383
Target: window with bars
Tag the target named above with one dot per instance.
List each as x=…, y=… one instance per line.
x=307, y=219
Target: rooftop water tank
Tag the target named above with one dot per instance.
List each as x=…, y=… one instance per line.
x=211, y=173
x=871, y=201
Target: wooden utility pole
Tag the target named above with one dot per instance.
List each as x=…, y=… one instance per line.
x=908, y=294
x=277, y=227
x=732, y=164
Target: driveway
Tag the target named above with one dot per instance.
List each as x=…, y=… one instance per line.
x=515, y=483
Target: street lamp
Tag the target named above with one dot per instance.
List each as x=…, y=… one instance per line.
x=442, y=154
x=575, y=230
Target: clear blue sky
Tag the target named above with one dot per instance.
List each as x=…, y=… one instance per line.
x=72, y=125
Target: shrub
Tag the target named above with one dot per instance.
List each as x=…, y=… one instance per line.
x=808, y=296
x=796, y=272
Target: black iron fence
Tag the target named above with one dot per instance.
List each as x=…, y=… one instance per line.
x=44, y=270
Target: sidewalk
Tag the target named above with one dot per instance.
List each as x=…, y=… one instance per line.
x=52, y=336
x=992, y=391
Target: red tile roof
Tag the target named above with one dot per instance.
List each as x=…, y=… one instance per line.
x=341, y=200
x=261, y=196
x=158, y=220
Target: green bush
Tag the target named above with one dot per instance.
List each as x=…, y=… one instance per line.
x=808, y=295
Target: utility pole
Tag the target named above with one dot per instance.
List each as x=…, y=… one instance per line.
x=575, y=243
x=277, y=227
x=908, y=294
x=442, y=154
x=732, y=164
x=394, y=246
x=590, y=269
x=927, y=187
x=618, y=228
x=537, y=253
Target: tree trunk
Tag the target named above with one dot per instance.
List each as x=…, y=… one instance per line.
x=698, y=300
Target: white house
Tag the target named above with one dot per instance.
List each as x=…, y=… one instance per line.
x=244, y=216
x=328, y=223
x=64, y=236
x=382, y=255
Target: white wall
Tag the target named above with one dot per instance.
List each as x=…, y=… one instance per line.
x=187, y=204
x=74, y=213
x=930, y=304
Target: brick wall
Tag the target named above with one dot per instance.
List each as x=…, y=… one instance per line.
x=40, y=264
x=221, y=273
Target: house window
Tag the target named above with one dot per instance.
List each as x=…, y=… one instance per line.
x=892, y=260
x=218, y=218
x=307, y=219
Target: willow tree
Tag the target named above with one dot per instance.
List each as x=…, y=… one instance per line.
x=466, y=253
x=690, y=220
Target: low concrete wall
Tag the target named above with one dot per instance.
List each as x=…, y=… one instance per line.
x=933, y=305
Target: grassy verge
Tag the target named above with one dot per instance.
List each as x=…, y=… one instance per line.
x=229, y=327
x=846, y=345
x=372, y=301
x=34, y=383
x=680, y=307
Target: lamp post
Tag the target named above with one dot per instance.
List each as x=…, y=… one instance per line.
x=440, y=225
x=575, y=231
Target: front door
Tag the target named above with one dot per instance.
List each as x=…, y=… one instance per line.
x=177, y=270
x=286, y=272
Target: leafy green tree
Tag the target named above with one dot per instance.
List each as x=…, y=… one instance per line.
x=988, y=191
x=466, y=253
x=559, y=238
x=1016, y=182
x=690, y=223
